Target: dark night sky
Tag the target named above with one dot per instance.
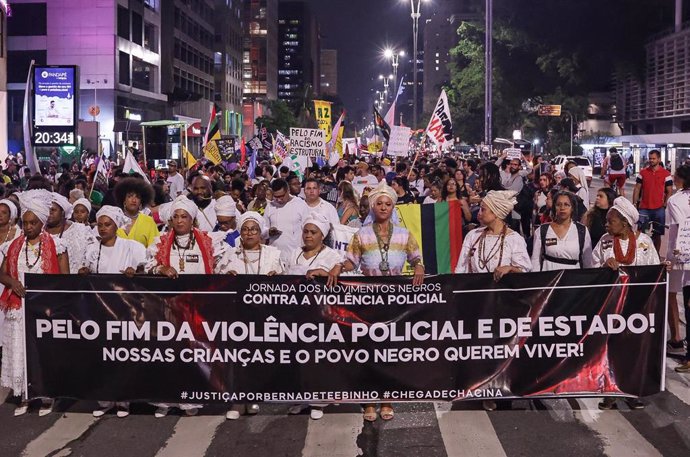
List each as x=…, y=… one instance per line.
x=360, y=30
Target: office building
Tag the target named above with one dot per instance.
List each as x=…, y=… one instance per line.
x=329, y=72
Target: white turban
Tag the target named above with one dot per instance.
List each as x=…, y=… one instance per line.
x=256, y=217
x=627, y=210
x=83, y=202
x=12, y=207
x=318, y=220
x=164, y=212
x=63, y=203
x=383, y=189
x=226, y=207
x=37, y=201
x=114, y=213
x=184, y=203
x=577, y=173
x=500, y=202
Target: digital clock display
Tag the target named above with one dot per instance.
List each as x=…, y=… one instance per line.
x=53, y=138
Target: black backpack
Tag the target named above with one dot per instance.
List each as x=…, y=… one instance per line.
x=616, y=161
x=581, y=232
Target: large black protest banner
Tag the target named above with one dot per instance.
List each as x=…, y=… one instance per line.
x=248, y=338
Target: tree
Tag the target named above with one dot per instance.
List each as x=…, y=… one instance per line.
x=280, y=118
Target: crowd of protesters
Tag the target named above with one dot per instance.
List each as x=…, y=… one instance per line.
x=518, y=215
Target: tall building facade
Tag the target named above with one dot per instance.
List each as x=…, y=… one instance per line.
x=329, y=72
x=117, y=48
x=299, y=51
x=440, y=36
x=3, y=81
x=229, y=44
x=259, y=59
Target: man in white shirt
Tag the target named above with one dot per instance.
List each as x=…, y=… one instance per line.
x=513, y=177
x=202, y=195
x=312, y=189
x=175, y=179
x=364, y=179
x=285, y=215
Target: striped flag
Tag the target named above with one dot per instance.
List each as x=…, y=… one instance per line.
x=438, y=230
x=212, y=130
x=131, y=166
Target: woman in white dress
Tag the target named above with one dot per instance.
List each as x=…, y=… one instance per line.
x=494, y=248
x=311, y=260
x=252, y=257
x=113, y=255
x=34, y=251
x=76, y=237
x=184, y=250
x=563, y=244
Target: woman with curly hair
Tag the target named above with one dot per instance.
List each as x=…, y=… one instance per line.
x=133, y=195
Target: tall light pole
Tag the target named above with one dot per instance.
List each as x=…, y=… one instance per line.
x=488, y=77
x=386, y=82
x=416, y=14
x=394, y=56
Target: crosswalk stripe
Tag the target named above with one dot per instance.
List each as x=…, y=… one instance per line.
x=677, y=384
x=619, y=437
x=65, y=430
x=335, y=435
x=468, y=433
x=191, y=436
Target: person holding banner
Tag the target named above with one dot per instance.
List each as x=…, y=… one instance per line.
x=132, y=195
x=313, y=259
x=75, y=237
x=113, y=255
x=35, y=251
x=252, y=257
x=563, y=244
x=381, y=248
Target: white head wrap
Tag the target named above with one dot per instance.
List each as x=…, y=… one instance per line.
x=256, y=217
x=63, y=203
x=83, y=202
x=164, y=212
x=226, y=207
x=75, y=194
x=37, y=201
x=318, y=220
x=500, y=202
x=627, y=210
x=383, y=189
x=12, y=207
x=184, y=203
x=114, y=213
x=577, y=173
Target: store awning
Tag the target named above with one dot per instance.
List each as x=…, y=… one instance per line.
x=656, y=139
x=163, y=123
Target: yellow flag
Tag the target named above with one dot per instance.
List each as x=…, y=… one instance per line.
x=339, y=141
x=212, y=153
x=322, y=109
x=188, y=157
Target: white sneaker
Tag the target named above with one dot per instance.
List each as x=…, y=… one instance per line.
x=252, y=409
x=46, y=408
x=21, y=409
x=296, y=409
x=122, y=412
x=191, y=412
x=101, y=411
x=232, y=415
x=161, y=412
x=316, y=413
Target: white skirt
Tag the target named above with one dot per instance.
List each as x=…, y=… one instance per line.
x=12, y=375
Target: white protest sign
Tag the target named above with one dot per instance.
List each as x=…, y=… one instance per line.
x=513, y=153
x=681, y=250
x=307, y=142
x=399, y=142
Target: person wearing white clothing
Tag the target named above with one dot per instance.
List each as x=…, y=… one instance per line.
x=562, y=244
x=175, y=179
x=513, y=177
x=202, y=195
x=284, y=216
x=316, y=204
x=580, y=179
x=76, y=237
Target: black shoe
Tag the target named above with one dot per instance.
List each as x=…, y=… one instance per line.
x=634, y=403
x=675, y=347
x=607, y=403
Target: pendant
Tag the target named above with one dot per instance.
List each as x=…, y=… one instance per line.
x=181, y=264
x=383, y=266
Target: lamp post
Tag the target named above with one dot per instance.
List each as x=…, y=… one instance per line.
x=415, y=6
x=488, y=76
x=394, y=56
x=570, y=115
x=386, y=82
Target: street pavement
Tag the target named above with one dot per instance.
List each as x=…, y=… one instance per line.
x=563, y=428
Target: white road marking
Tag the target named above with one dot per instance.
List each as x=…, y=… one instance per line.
x=65, y=430
x=191, y=436
x=467, y=433
x=334, y=435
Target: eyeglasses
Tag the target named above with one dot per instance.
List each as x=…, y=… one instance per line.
x=250, y=230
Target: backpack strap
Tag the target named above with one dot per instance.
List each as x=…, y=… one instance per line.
x=581, y=233
x=543, y=229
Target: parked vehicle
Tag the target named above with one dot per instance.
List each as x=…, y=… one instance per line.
x=581, y=161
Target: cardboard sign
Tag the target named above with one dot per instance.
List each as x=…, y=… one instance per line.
x=513, y=153
x=399, y=143
x=682, y=249
x=307, y=142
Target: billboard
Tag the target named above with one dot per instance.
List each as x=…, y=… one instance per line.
x=54, y=105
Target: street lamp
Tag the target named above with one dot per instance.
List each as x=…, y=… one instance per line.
x=393, y=56
x=415, y=6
